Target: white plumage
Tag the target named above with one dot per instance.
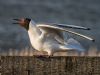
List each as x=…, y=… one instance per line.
x=49, y=38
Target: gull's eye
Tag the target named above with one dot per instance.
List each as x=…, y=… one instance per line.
x=28, y=19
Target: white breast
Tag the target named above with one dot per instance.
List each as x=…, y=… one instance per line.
x=34, y=39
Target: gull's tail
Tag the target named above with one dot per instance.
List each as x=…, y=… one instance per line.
x=72, y=44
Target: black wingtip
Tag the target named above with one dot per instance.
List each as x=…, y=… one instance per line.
x=88, y=29
x=93, y=40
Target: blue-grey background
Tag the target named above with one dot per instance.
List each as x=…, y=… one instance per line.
x=78, y=12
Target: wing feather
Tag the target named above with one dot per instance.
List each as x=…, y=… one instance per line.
x=62, y=29
x=72, y=26
x=69, y=26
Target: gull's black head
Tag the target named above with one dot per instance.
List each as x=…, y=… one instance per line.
x=24, y=22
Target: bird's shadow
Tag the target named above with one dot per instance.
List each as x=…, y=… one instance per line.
x=47, y=58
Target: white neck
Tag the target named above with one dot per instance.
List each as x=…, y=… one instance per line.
x=34, y=35
x=33, y=30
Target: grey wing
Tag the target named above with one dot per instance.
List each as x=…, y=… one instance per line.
x=69, y=26
x=63, y=29
x=57, y=34
x=53, y=31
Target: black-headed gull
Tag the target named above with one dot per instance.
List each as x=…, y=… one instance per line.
x=49, y=37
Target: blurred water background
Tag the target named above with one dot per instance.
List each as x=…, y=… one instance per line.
x=78, y=12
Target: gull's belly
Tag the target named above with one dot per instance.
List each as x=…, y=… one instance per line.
x=50, y=44
x=44, y=45
x=37, y=44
